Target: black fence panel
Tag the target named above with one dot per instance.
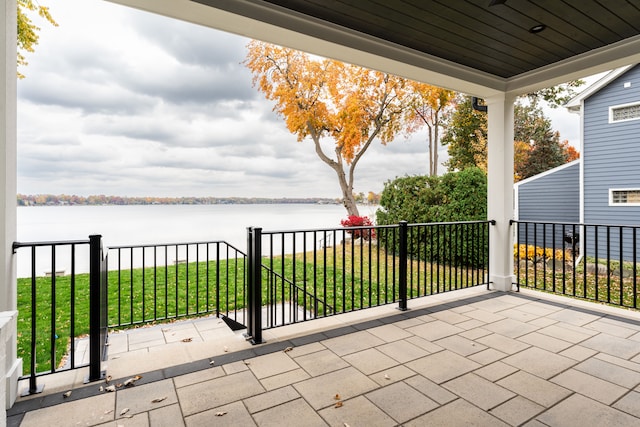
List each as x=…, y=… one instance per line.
x=308, y=274
x=53, y=308
x=159, y=282
x=597, y=262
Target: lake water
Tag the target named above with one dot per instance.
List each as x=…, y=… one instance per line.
x=133, y=225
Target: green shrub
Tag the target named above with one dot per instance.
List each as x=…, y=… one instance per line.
x=455, y=196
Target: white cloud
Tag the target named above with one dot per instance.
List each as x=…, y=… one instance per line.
x=119, y=101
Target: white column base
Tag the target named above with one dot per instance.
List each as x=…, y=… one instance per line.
x=503, y=283
x=12, y=382
x=10, y=365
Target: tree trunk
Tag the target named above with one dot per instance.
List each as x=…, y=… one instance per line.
x=348, y=200
x=435, y=151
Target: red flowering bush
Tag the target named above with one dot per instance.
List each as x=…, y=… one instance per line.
x=359, y=221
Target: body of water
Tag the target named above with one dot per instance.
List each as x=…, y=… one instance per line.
x=152, y=224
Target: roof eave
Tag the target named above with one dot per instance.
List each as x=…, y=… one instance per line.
x=577, y=100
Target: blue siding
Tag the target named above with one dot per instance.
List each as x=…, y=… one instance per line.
x=553, y=197
x=611, y=156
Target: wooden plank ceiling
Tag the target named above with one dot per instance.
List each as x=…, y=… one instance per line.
x=492, y=36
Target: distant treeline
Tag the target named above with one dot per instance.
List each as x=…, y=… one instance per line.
x=66, y=200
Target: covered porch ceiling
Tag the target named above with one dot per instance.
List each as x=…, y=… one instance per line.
x=479, y=47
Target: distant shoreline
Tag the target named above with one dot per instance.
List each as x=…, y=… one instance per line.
x=102, y=200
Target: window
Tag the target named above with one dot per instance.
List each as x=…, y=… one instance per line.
x=624, y=197
x=621, y=113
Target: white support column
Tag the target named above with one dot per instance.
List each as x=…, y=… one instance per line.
x=12, y=366
x=500, y=190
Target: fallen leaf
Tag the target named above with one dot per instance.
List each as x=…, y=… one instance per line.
x=386, y=377
x=247, y=363
x=346, y=425
x=108, y=411
x=67, y=394
x=110, y=388
x=107, y=379
x=288, y=349
x=187, y=340
x=338, y=404
x=211, y=362
x=124, y=411
x=101, y=389
x=336, y=397
x=158, y=399
x=119, y=385
x=137, y=377
x=226, y=349
x=219, y=414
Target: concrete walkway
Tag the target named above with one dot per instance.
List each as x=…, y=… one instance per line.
x=468, y=358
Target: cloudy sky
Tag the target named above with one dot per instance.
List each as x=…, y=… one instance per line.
x=122, y=102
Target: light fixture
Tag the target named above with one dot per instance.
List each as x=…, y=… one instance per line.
x=537, y=28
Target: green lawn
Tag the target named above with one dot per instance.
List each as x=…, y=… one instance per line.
x=605, y=287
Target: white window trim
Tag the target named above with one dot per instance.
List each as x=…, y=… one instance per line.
x=615, y=107
x=611, y=190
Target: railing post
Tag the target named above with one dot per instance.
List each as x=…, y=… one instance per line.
x=492, y=222
x=254, y=285
x=402, y=268
x=96, y=309
x=34, y=388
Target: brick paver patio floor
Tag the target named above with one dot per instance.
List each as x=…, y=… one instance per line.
x=466, y=358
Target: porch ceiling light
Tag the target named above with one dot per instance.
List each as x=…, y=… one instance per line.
x=537, y=28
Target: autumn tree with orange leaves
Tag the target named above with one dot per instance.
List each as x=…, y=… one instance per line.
x=323, y=99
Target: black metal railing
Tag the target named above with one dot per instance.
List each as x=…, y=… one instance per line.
x=285, y=277
x=296, y=276
x=590, y=261
x=160, y=282
x=54, y=308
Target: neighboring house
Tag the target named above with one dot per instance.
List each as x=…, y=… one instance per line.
x=605, y=181
x=551, y=196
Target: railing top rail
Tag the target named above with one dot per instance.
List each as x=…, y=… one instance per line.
x=577, y=224
x=481, y=221
x=152, y=245
x=17, y=245
x=321, y=230
x=372, y=227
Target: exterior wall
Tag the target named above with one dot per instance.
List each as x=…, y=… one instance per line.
x=553, y=196
x=611, y=160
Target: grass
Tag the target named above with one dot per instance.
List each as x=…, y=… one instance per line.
x=323, y=282
x=180, y=291
x=585, y=284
